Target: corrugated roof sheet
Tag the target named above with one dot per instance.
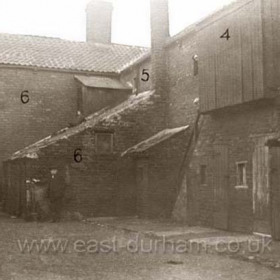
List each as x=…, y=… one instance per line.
x=132, y=104
x=55, y=53
x=102, y=82
x=155, y=140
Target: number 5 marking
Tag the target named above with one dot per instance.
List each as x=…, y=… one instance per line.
x=145, y=73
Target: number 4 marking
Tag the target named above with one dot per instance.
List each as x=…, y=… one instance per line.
x=226, y=35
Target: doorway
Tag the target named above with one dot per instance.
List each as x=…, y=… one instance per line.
x=266, y=189
x=261, y=191
x=275, y=191
x=142, y=182
x=221, y=184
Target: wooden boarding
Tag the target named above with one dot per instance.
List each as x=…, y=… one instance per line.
x=275, y=191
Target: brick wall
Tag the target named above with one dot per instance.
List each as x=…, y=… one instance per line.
x=110, y=180
x=183, y=85
x=135, y=73
x=182, y=88
x=236, y=128
x=101, y=185
x=163, y=163
x=52, y=105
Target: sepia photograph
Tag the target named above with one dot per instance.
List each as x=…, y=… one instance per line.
x=139, y=139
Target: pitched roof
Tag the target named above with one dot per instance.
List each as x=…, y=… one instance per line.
x=102, y=82
x=55, y=53
x=192, y=29
x=210, y=18
x=105, y=116
x=155, y=140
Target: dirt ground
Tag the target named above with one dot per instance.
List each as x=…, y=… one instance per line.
x=90, y=251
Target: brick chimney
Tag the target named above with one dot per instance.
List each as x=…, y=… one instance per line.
x=99, y=21
x=159, y=36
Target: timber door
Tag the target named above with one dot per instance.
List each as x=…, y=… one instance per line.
x=220, y=187
x=212, y=194
x=261, y=190
x=142, y=188
x=275, y=191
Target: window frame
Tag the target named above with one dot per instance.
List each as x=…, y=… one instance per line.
x=97, y=150
x=244, y=183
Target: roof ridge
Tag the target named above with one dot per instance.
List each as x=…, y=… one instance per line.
x=72, y=41
x=32, y=35
x=63, y=54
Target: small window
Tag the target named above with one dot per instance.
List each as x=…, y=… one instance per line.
x=203, y=174
x=195, y=65
x=241, y=173
x=104, y=142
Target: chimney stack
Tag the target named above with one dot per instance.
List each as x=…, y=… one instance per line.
x=159, y=36
x=99, y=21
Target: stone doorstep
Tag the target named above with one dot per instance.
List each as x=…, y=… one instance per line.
x=206, y=239
x=198, y=240
x=104, y=219
x=210, y=237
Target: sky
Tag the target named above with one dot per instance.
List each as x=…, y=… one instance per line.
x=66, y=18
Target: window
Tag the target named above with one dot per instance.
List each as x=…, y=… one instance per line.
x=104, y=142
x=241, y=173
x=195, y=65
x=203, y=174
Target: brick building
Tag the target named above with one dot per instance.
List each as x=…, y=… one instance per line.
x=213, y=122
x=48, y=83
x=231, y=179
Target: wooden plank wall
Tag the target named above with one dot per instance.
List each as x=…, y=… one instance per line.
x=271, y=25
x=231, y=71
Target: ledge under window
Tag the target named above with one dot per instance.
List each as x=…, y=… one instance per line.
x=241, y=187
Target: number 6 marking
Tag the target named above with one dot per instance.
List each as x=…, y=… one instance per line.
x=24, y=97
x=78, y=155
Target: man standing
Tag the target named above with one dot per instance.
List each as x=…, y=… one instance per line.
x=56, y=193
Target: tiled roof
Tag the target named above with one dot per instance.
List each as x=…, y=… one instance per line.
x=102, y=82
x=155, y=140
x=55, y=53
x=105, y=116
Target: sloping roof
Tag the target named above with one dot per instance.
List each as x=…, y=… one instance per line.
x=213, y=16
x=107, y=116
x=102, y=82
x=192, y=29
x=155, y=140
x=55, y=53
